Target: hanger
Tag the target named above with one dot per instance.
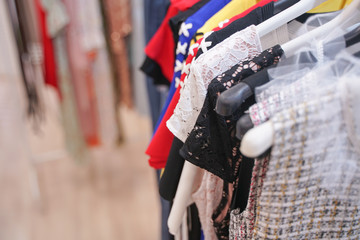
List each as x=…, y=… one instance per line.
x=190, y=174
x=352, y=37
x=230, y=100
x=289, y=10
x=291, y=47
x=257, y=140
x=349, y=40
x=287, y=15
x=243, y=125
x=354, y=49
x=281, y=5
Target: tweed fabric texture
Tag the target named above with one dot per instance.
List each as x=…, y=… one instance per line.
x=311, y=188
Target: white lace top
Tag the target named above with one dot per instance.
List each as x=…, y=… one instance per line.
x=241, y=45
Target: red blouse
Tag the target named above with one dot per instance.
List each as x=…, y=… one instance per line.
x=161, y=47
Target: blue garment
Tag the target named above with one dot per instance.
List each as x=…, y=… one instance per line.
x=171, y=93
x=154, y=12
x=187, y=30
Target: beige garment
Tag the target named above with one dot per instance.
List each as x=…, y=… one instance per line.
x=74, y=140
x=207, y=198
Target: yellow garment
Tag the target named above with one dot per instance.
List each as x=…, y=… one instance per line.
x=236, y=7
x=331, y=6
x=231, y=9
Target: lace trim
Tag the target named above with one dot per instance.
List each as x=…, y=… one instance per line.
x=220, y=58
x=207, y=198
x=212, y=144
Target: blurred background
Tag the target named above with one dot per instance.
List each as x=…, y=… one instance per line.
x=76, y=115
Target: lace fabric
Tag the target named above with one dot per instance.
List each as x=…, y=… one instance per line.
x=241, y=45
x=212, y=144
x=221, y=215
x=207, y=198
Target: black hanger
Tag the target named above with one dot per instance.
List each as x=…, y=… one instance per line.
x=357, y=54
x=230, y=100
x=349, y=38
x=281, y=5
x=352, y=37
x=243, y=125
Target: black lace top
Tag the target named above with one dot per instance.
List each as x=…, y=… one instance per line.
x=212, y=144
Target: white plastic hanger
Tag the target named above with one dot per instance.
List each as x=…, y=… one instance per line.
x=257, y=140
x=292, y=46
x=287, y=15
x=251, y=146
